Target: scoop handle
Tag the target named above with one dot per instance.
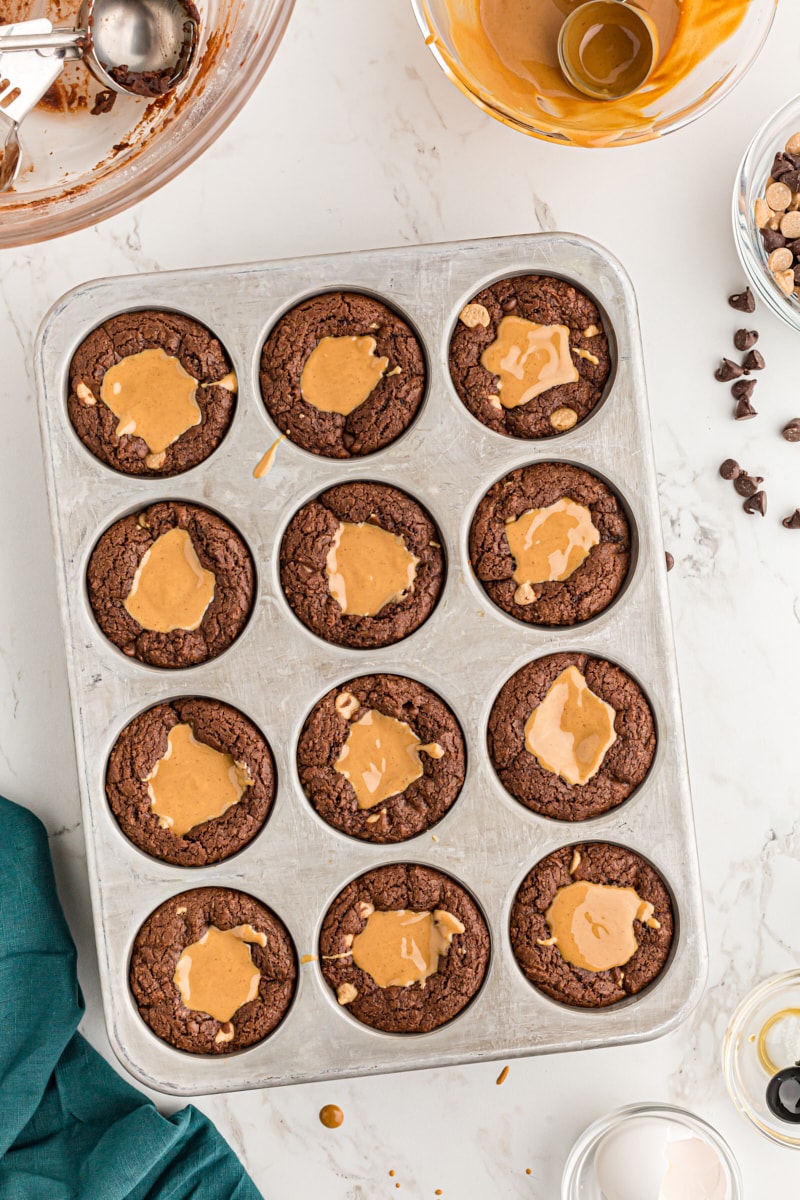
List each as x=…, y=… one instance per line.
x=59, y=39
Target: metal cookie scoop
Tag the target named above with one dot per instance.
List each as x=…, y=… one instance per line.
x=136, y=47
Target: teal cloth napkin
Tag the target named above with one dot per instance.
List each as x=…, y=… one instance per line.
x=70, y=1126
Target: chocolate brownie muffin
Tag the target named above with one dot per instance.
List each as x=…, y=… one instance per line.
x=414, y=1008
x=624, y=764
x=543, y=300
x=311, y=538
x=143, y=744
x=114, y=565
x=199, y=353
x=531, y=938
x=441, y=757
x=181, y=922
x=591, y=586
x=390, y=354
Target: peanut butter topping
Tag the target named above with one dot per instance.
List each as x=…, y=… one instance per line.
x=217, y=975
x=572, y=729
x=400, y=948
x=340, y=373
x=381, y=757
x=368, y=568
x=529, y=359
x=193, y=783
x=171, y=589
x=153, y=397
x=592, y=924
x=550, y=543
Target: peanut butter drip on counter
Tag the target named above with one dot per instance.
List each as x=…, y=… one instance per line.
x=368, y=568
x=217, y=975
x=508, y=48
x=171, y=589
x=331, y=1116
x=153, y=397
x=398, y=949
x=193, y=783
x=529, y=359
x=381, y=757
x=266, y=463
x=340, y=373
x=572, y=729
x=592, y=924
x=548, y=544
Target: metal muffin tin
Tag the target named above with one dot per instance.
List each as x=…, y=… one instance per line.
x=465, y=651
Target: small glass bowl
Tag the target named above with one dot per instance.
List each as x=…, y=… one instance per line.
x=579, y=1181
x=751, y=183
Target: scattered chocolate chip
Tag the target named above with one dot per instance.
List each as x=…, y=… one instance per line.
x=744, y=410
x=791, y=432
x=745, y=339
x=773, y=239
x=792, y=522
x=747, y=485
x=743, y=301
x=509, y=305
x=670, y=560
x=730, y=469
x=756, y=504
x=104, y=101
x=743, y=389
x=727, y=371
x=781, y=165
x=754, y=361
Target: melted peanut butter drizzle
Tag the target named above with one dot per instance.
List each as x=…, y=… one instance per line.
x=550, y=543
x=340, y=373
x=398, y=949
x=153, y=397
x=193, y=783
x=592, y=924
x=171, y=589
x=529, y=359
x=508, y=49
x=267, y=461
x=331, y=1116
x=217, y=975
x=572, y=729
x=380, y=757
x=368, y=568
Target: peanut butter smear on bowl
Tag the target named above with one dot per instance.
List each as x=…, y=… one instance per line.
x=368, y=568
x=528, y=359
x=572, y=730
x=549, y=544
x=193, y=783
x=400, y=948
x=217, y=975
x=592, y=924
x=340, y=373
x=381, y=758
x=507, y=52
x=171, y=588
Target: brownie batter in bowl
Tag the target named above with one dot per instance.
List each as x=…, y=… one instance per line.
x=550, y=544
x=592, y=924
x=381, y=758
x=191, y=781
x=404, y=948
x=571, y=736
x=172, y=585
x=213, y=971
x=362, y=565
x=151, y=393
x=529, y=356
x=342, y=375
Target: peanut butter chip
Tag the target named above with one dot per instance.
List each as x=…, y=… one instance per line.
x=85, y=395
x=550, y=543
x=381, y=758
x=346, y=705
x=529, y=359
x=192, y=783
x=793, y=144
x=563, y=419
x=593, y=924
x=473, y=315
x=780, y=259
x=346, y=993
x=153, y=397
x=778, y=196
x=225, y=1034
x=785, y=281
x=762, y=213
x=171, y=589
x=592, y=358
x=340, y=373
x=400, y=948
x=591, y=331
x=217, y=975
x=572, y=730
x=368, y=568
x=526, y=594
x=790, y=225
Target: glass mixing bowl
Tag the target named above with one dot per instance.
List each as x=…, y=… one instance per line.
x=79, y=168
x=691, y=96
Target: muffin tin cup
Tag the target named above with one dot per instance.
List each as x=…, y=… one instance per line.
x=277, y=669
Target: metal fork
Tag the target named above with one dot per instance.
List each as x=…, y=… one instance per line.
x=25, y=76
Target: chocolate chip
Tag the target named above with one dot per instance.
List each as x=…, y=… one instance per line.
x=104, y=101
x=744, y=339
x=728, y=370
x=792, y=522
x=754, y=361
x=756, y=504
x=670, y=560
x=792, y=180
x=797, y=274
x=781, y=165
x=743, y=301
x=744, y=410
x=773, y=239
x=743, y=389
x=730, y=469
x=795, y=247
x=747, y=485
x=509, y=305
x=791, y=432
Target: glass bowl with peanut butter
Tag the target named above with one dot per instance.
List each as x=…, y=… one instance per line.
x=503, y=54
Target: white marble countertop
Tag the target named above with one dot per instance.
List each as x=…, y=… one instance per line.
x=355, y=139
